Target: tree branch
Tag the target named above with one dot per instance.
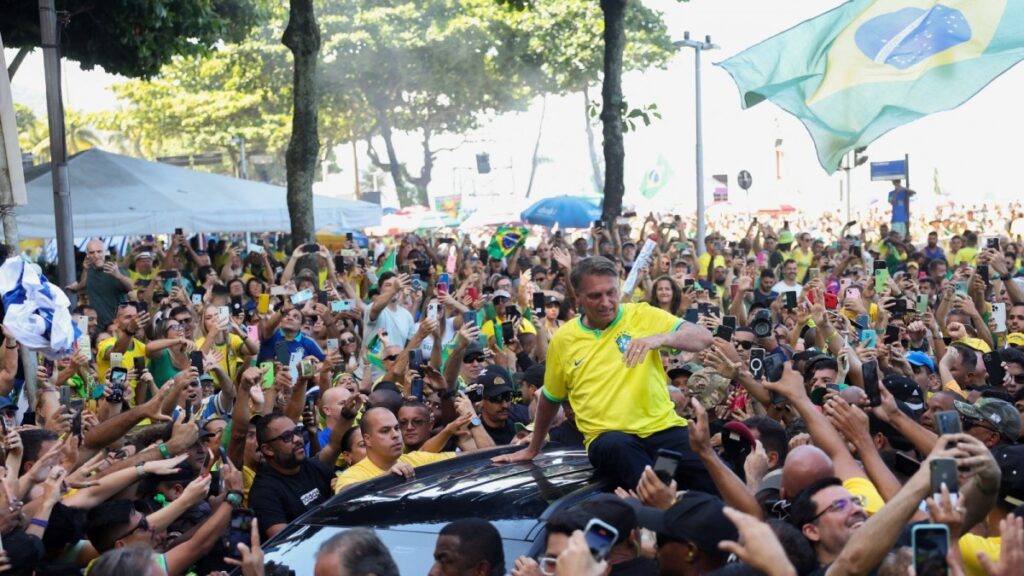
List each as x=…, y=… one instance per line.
x=18, y=59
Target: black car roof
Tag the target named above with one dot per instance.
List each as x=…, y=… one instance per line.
x=465, y=486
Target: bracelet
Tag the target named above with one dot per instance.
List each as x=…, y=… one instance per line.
x=39, y=522
x=164, y=451
x=140, y=469
x=234, y=499
x=10, y=347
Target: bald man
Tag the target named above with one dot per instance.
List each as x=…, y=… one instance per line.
x=332, y=402
x=382, y=436
x=104, y=282
x=804, y=465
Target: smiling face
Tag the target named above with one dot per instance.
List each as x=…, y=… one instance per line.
x=840, y=516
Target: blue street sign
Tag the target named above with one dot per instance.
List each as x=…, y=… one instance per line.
x=893, y=170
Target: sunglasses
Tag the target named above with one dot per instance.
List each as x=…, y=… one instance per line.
x=1018, y=378
x=347, y=340
x=972, y=422
x=288, y=436
x=500, y=398
x=390, y=358
x=745, y=344
x=473, y=359
x=143, y=526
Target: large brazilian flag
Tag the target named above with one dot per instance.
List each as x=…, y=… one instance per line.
x=856, y=72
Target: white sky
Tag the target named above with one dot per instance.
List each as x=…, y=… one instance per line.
x=975, y=147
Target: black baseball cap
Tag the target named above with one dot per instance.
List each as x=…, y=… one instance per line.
x=696, y=518
x=472, y=351
x=496, y=380
x=534, y=375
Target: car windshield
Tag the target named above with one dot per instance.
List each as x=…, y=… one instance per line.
x=412, y=549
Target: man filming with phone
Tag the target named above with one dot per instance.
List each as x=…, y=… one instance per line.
x=605, y=363
x=104, y=282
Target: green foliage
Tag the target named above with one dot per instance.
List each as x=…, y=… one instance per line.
x=133, y=38
x=34, y=134
x=429, y=67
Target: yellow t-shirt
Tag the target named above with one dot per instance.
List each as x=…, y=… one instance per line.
x=526, y=328
x=705, y=260
x=137, y=350
x=136, y=276
x=863, y=487
x=966, y=254
x=366, y=470
x=971, y=545
x=803, y=263
x=586, y=366
x=248, y=477
x=231, y=360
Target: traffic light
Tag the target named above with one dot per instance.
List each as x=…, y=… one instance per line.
x=858, y=155
x=483, y=163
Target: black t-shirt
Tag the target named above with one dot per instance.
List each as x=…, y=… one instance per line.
x=635, y=567
x=279, y=499
x=504, y=435
x=567, y=435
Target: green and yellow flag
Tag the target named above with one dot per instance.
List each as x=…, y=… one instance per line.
x=388, y=265
x=656, y=178
x=858, y=71
x=506, y=239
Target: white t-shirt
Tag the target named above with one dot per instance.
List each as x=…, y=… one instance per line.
x=781, y=287
x=397, y=322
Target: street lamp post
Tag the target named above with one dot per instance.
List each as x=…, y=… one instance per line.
x=698, y=47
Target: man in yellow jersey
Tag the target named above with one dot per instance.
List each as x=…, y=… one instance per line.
x=384, y=451
x=606, y=363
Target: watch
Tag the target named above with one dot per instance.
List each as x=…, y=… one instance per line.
x=474, y=422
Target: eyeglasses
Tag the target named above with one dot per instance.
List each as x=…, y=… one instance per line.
x=415, y=423
x=347, y=340
x=500, y=398
x=143, y=526
x=745, y=344
x=1019, y=378
x=841, y=505
x=288, y=436
x=177, y=327
x=184, y=320
x=473, y=359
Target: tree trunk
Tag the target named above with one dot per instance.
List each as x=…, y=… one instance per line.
x=595, y=162
x=536, y=145
x=302, y=37
x=611, y=107
x=393, y=166
x=418, y=195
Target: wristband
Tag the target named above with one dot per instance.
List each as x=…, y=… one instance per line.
x=164, y=451
x=39, y=522
x=235, y=500
x=140, y=469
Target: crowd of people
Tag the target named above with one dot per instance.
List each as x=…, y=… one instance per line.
x=778, y=403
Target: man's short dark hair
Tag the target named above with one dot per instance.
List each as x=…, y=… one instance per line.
x=567, y=521
x=1012, y=356
x=820, y=363
x=263, y=426
x=968, y=356
x=32, y=443
x=386, y=395
x=592, y=266
x=179, y=310
x=798, y=549
x=359, y=551
x=479, y=541
x=105, y=523
x=804, y=508
x=385, y=277
x=771, y=434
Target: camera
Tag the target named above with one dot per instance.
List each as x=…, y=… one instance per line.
x=761, y=323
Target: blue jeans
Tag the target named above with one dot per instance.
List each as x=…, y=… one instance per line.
x=621, y=458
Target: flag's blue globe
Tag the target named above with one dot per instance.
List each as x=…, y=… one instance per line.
x=911, y=35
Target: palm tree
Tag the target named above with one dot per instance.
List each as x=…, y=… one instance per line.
x=80, y=135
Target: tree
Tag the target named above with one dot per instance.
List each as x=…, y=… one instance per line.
x=427, y=67
x=613, y=108
x=302, y=37
x=133, y=38
x=34, y=134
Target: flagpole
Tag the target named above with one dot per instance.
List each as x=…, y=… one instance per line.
x=698, y=47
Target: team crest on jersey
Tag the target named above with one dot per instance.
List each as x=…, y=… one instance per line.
x=622, y=341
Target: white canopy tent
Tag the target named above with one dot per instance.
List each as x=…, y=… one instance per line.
x=115, y=195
